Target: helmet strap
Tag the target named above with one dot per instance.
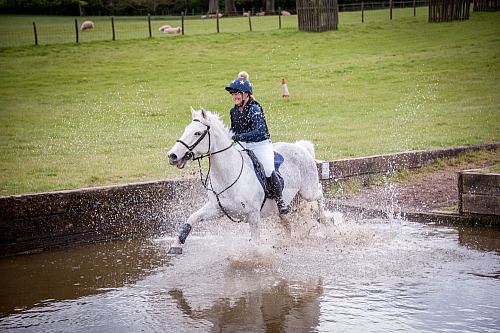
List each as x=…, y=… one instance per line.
x=243, y=100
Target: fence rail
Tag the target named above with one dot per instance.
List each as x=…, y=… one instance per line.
x=45, y=30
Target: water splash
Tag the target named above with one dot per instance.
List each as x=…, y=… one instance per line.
x=412, y=114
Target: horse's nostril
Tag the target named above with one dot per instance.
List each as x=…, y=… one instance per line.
x=172, y=157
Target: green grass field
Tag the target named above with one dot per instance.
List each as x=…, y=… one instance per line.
x=87, y=114
x=19, y=30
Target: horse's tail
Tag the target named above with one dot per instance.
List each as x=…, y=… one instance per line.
x=309, y=146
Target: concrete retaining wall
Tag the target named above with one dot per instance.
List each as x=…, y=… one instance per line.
x=34, y=222
x=332, y=171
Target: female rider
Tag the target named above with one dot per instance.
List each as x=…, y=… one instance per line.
x=249, y=128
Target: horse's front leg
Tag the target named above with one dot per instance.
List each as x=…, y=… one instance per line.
x=206, y=212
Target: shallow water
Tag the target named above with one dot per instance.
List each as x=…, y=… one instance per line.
x=371, y=276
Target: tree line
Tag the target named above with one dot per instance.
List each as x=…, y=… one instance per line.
x=141, y=7
x=144, y=7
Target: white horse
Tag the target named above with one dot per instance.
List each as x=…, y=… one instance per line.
x=232, y=185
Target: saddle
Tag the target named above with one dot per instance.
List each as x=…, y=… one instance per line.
x=261, y=175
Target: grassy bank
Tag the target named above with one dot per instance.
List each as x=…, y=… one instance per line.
x=88, y=114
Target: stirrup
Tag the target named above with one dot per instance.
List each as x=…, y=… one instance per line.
x=283, y=208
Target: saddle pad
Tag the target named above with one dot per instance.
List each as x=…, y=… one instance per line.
x=259, y=170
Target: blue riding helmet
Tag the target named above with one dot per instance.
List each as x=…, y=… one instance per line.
x=240, y=85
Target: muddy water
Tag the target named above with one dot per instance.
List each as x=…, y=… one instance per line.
x=363, y=276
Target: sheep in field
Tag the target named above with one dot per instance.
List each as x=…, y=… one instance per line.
x=215, y=15
x=163, y=27
x=285, y=13
x=87, y=25
x=172, y=31
x=246, y=14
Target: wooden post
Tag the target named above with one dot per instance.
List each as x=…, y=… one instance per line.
x=249, y=20
x=414, y=8
x=478, y=192
x=460, y=191
x=390, y=8
x=36, y=35
x=113, y=26
x=149, y=25
x=217, y=17
x=76, y=30
x=182, y=22
x=279, y=17
x=429, y=14
x=362, y=12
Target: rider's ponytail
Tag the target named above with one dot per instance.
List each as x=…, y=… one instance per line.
x=245, y=76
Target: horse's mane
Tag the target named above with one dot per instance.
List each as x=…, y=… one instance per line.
x=215, y=118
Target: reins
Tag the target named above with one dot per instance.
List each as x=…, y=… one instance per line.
x=189, y=154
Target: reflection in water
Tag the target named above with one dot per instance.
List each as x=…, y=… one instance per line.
x=479, y=238
x=373, y=276
x=39, y=279
x=278, y=309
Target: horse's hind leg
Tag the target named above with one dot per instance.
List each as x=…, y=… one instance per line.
x=314, y=192
x=321, y=205
x=286, y=223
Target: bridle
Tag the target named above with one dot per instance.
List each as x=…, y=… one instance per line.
x=190, y=156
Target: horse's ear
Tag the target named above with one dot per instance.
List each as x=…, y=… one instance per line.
x=204, y=114
x=193, y=112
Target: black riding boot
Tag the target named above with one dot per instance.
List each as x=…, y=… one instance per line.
x=276, y=191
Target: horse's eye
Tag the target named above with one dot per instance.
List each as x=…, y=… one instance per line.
x=197, y=133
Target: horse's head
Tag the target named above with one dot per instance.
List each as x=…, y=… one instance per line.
x=195, y=140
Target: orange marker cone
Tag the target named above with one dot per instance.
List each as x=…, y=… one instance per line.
x=285, y=88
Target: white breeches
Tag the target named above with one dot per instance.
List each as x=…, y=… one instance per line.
x=264, y=152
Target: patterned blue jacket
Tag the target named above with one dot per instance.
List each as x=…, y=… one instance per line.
x=249, y=125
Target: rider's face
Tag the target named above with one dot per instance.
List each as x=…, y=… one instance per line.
x=238, y=97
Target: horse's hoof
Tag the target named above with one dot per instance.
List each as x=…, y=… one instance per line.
x=175, y=250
